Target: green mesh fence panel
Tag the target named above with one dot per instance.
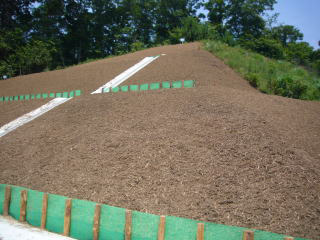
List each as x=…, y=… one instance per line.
x=52, y=95
x=106, y=90
x=6, y=98
x=2, y=191
x=166, y=85
x=71, y=94
x=38, y=96
x=144, y=87
x=10, y=98
x=115, y=89
x=188, y=83
x=144, y=226
x=154, y=86
x=78, y=92
x=58, y=95
x=32, y=96
x=177, y=84
x=14, y=209
x=16, y=98
x=124, y=88
x=45, y=95
x=1, y=99
x=27, y=97
x=112, y=222
x=134, y=88
x=82, y=213
x=34, y=207
x=65, y=95
x=55, y=213
x=21, y=97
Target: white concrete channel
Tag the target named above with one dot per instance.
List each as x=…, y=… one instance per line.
x=4, y=130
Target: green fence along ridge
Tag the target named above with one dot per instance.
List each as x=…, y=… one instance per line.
x=165, y=85
x=1, y=99
x=16, y=98
x=144, y=87
x=124, y=88
x=78, y=93
x=106, y=90
x=154, y=86
x=177, y=84
x=45, y=95
x=52, y=95
x=115, y=89
x=188, y=83
x=134, y=88
x=27, y=97
x=21, y=97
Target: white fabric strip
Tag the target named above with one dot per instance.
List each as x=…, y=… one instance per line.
x=13, y=230
x=31, y=115
x=126, y=74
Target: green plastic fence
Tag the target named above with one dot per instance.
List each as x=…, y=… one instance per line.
x=155, y=86
x=144, y=87
x=115, y=89
x=40, y=96
x=112, y=220
x=177, y=84
x=134, y=88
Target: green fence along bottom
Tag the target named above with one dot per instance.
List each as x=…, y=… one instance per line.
x=115, y=89
x=1, y=99
x=52, y=95
x=78, y=93
x=112, y=220
x=21, y=97
x=27, y=97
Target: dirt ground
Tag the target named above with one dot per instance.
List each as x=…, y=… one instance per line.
x=219, y=152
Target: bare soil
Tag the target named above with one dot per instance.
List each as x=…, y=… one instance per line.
x=220, y=152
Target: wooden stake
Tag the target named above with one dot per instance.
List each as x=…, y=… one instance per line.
x=248, y=235
x=96, y=222
x=44, y=211
x=200, y=232
x=23, y=205
x=6, y=203
x=128, y=225
x=161, y=229
x=67, y=217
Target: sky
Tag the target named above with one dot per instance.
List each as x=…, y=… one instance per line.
x=303, y=14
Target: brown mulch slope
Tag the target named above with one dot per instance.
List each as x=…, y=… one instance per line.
x=220, y=152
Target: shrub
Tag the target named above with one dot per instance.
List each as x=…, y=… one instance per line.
x=253, y=79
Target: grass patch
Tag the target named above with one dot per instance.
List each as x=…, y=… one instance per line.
x=268, y=75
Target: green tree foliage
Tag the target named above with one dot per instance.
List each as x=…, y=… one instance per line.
x=286, y=34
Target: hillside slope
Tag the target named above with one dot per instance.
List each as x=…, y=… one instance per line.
x=220, y=152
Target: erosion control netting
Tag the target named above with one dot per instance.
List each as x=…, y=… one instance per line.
x=112, y=220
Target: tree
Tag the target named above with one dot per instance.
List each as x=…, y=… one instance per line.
x=240, y=17
x=286, y=34
x=299, y=53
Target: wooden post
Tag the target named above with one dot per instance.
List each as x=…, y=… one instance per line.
x=288, y=238
x=248, y=235
x=23, y=205
x=6, y=203
x=161, y=229
x=67, y=217
x=128, y=225
x=44, y=211
x=96, y=222
x=200, y=232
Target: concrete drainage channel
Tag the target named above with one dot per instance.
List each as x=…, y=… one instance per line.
x=81, y=219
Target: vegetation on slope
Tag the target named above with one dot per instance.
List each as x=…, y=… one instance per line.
x=270, y=76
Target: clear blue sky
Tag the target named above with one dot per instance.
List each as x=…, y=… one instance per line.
x=304, y=14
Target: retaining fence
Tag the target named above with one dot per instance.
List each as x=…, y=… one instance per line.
x=28, y=97
x=88, y=220
x=151, y=86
